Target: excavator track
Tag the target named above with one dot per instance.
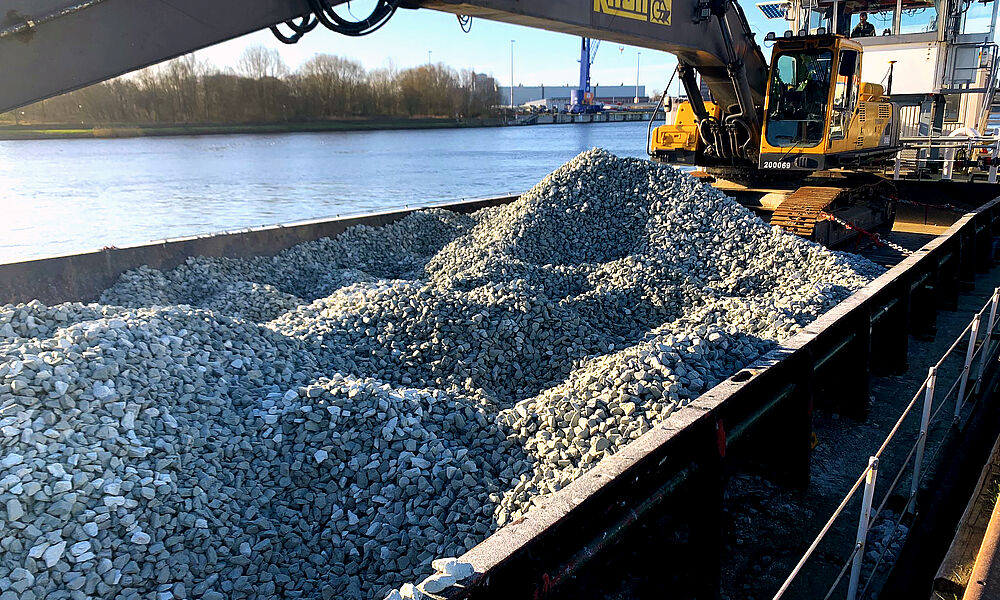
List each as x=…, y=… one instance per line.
x=805, y=207
x=864, y=205
x=754, y=177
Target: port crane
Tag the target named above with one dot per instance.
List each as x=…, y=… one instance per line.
x=807, y=112
x=582, y=99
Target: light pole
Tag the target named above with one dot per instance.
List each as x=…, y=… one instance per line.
x=637, y=55
x=429, y=56
x=512, y=74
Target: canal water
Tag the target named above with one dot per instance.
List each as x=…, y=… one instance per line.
x=68, y=196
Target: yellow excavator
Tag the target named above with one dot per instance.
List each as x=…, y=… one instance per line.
x=818, y=114
x=808, y=112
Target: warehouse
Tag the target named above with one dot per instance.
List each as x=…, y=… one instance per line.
x=558, y=95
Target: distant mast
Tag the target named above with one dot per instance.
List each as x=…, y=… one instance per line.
x=582, y=99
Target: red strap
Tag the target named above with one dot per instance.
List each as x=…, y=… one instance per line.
x=924, y=204
x=852, y=226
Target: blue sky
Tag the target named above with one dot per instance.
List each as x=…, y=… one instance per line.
x=540, y=57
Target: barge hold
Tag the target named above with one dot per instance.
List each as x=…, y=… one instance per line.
x=757, y=419
x=392, y=403
x=757, y=422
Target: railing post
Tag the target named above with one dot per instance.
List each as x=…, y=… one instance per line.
x=925, y=422
x=899, y=160
x=968, y=159
x=973, y=335
x=987, y=339
x=863, y=522
x=993, y=162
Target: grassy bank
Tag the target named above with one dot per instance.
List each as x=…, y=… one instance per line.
x=57, y=131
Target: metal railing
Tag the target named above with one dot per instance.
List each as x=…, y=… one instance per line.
x=943, y=152
x=980, y=349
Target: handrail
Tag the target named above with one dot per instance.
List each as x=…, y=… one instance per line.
x=822, y=533
x=950, y=145
x=652, y=117
x=914, y=456
x=947, y=139
x=843, y=571
x=902, y=417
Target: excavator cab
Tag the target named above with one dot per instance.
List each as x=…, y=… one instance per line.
x=817, y=112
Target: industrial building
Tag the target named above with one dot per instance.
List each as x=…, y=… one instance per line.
x=559, y=95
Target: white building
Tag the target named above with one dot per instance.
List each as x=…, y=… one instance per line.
x=558, y=95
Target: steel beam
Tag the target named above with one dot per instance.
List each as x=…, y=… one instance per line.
x=656, y=24
x=48, y=47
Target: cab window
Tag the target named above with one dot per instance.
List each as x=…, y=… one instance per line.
x=845, y=93
x=800, y=86
x=920, y=16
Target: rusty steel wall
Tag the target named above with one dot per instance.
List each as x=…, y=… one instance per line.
x=82, y=277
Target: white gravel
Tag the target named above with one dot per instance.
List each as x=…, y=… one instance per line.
x=326, y=422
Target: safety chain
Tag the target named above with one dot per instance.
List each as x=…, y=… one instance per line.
x=924, y=204
x=879, y=240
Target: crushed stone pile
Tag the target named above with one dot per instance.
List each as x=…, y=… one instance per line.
x=326, y=422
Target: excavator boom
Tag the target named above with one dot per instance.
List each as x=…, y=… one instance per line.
x=678, y=27
x=48, y=47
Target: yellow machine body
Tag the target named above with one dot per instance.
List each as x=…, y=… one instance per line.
x=818, y=113
x=680, y=141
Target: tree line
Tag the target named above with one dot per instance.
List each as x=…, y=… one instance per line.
x=261, y=88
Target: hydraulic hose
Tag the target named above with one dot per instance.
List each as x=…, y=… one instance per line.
x=323, y=12
x=379, y=16
x=298, y=29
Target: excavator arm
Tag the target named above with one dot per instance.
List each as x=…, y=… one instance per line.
x=710, y=37
x=48, y=47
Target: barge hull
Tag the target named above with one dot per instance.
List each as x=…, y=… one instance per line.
x=758, y=420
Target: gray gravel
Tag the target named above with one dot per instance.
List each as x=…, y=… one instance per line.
x=326, y=422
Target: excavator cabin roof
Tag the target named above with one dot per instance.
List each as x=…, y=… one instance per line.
x=821, y=40
x=824, y=40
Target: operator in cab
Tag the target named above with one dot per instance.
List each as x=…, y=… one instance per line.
x=863, y=28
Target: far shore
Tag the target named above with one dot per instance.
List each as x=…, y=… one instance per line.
x=45, y=131
x=56, y=131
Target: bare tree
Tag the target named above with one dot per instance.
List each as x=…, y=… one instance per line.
x=258, y=62
x=261, y=88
